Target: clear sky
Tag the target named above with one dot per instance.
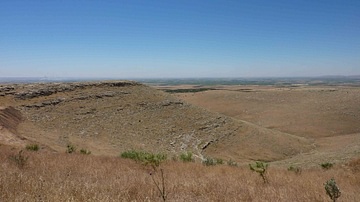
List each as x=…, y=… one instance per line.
x=113, y=38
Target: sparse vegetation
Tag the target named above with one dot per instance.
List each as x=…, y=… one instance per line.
x=261, y=168
x=295, y=169
x=19, y=159
x=332, y=190
x=219, y=161
x=70, y=149
x=32, y=147
x=144, y=157
x=209, y=161
x=60, y=177
x=186, y=157
x=160, y=183
x=50, y=176
x=231, y=163
x=327, y=165
x=85, y=151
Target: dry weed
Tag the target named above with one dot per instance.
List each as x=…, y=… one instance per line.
x=61, y=177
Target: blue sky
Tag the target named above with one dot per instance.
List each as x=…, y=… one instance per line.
x=128, y=39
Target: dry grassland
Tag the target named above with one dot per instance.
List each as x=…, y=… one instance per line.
x=308, y=111
x=74, y=177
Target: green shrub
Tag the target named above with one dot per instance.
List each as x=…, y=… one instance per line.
x=144, y=157
x=187, y=157
x=219, y=161
x=85, y=151
x=131, y=154
x=32, y=147
x=327, y=165
x=209, y=161
x=332, y=190
x=70, y=149
x=154, y=159
x=212, y=162
x=232, y=163
x=19, y=159
x=261, y=168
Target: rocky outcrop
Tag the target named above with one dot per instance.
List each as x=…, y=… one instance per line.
x=7, y=90
x=29, y=91
x=45, y=103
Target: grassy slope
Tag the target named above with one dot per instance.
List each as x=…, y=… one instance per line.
x=74, y=177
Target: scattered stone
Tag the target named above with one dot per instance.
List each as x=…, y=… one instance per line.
x=46, y=103
x=168, y=103
x=38, y=90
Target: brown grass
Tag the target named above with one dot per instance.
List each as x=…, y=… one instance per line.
x=75, y=177
x=308, y=111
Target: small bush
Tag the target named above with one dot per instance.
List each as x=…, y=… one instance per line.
x=212, y=162
x=154, y=159
x=85, y=151
x=209, y=161
x=131, y=154
x=261, y=168
x=70, y=149
x=19, y=159
x=32, y=147
x=332, y=190
x=327, y=165
x=232, y=163
x=144, y=157
x=187, y=157
x=295, y=169
x=219, y=161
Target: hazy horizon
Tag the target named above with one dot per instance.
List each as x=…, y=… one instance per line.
x=183, y=39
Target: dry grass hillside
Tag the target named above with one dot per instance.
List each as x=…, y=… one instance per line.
x=298, y=130
x=108, y=118
x=327, y=115
x=306, y=111
x=74, y=177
